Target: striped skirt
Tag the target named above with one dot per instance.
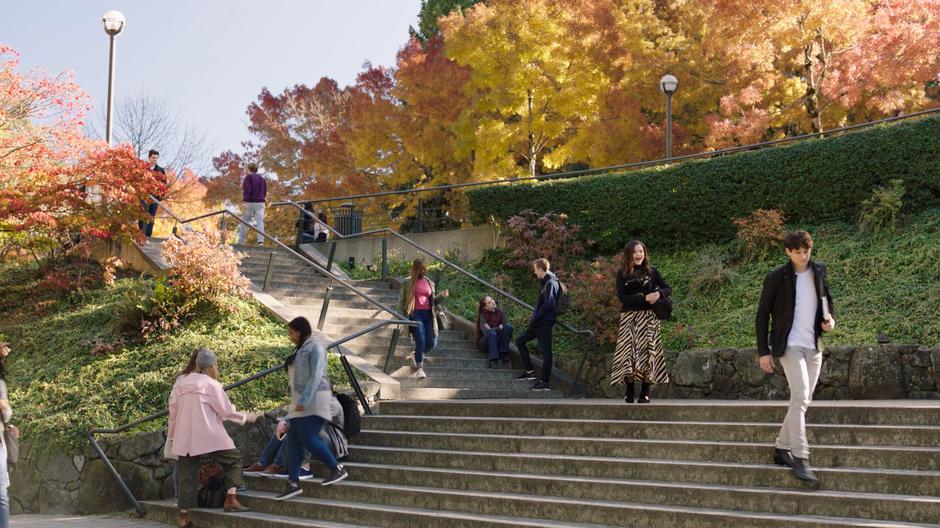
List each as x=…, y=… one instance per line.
x=639, y=354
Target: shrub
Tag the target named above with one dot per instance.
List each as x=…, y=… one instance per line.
x=880, y=211
x=531, y=235
x=760, y=233
x=692, y=203
x=594, y=297
x=711, y=271
x=204, y=270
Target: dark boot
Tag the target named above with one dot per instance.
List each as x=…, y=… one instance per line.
x=232, y=504
x=183, y=520
x=802, y=471
x=782, y=457
x=644, y=393
x=629, y=395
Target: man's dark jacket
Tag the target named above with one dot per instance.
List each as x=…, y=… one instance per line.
x=777, y=302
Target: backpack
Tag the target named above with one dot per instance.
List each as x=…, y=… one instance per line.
x=352, y=420
x=211, y=486
x=563, y=300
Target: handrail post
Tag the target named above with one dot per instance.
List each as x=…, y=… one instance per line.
x=577, y=375
x=325, y=307
x=384, y=259
x=329, y=261
x=267, y=272
x=420, y=215
x=117, y=476
x=354, y=383
x=396, y=335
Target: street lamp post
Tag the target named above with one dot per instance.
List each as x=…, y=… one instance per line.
x=668, y=85
x=113, y=24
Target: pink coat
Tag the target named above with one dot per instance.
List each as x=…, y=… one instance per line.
x=198, y=405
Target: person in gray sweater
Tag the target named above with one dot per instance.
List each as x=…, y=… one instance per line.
x=6, y=411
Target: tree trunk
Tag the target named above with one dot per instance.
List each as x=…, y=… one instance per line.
x=532, y=151
x=811, y=99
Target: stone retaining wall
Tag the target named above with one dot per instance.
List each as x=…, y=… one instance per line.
x=56, y=482
x=885, y=372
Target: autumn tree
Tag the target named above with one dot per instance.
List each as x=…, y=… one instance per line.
x=433, y=10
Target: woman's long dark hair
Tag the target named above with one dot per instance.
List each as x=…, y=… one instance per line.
x=301, y=325
x=3, y=367
x=626, y=260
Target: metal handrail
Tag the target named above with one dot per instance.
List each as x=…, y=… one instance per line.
x=334, y=344
x=320, y=269
x=633, y=165
x=492, y=287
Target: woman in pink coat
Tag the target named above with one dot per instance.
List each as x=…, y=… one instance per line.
x=196, y=435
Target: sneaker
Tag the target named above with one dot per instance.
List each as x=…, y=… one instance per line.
x=494, y=363
x=528, y=375
x=338, y=476
x=421, y=374
x=540, y=386
x=305, y=474
x=293, y=489
x=274, y=471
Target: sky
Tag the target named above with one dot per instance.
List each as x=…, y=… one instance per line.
x=209, y=59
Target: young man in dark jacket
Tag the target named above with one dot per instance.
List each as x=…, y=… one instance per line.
x=540, y=325
x=149, y=205
x=797, y=305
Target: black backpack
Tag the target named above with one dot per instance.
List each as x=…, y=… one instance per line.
x=563, y=300
x=352, y=420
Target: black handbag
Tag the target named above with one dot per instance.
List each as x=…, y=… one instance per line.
x=663, y=307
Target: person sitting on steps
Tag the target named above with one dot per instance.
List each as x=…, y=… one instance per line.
x=195, y=433
x=493, y=331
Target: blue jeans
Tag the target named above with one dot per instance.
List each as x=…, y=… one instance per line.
x=4, y=494
x=425, y=338
x=151, y=209
x=305, y=433
x=273, y=452
x=496, y=342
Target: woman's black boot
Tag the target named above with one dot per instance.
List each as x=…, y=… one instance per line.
x=644, y=393
x=628, y=397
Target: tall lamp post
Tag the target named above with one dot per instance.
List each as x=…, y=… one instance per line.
x=113, y=24
x=668, y=85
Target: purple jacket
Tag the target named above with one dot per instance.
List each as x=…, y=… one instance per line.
x=254, y=188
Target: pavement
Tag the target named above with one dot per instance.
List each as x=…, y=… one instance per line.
x=80, y=521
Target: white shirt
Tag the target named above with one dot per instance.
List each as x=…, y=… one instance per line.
x=803, y=331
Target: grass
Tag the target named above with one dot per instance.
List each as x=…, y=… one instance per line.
x=881, y=283
x=60, y=388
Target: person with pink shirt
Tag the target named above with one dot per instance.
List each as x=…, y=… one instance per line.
x=417, y=300
x=196, y=434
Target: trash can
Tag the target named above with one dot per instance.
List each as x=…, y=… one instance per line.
x=348, y=220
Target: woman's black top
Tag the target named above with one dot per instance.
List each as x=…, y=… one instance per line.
x=632, y=290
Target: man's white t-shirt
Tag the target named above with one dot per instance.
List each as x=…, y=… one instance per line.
x=803, y=331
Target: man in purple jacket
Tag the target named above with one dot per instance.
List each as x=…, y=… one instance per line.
x=254, y=192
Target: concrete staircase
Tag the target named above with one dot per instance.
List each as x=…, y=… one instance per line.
x=456, y=368
x=552, y=463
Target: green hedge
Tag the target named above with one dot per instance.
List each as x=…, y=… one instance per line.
x=694, y=202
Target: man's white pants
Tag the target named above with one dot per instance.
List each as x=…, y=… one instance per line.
x=252, y=213
x=801, y=366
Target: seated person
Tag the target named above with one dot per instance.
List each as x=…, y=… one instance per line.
x=493, y=331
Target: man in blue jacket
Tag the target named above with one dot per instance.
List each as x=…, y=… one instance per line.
x=540, y=325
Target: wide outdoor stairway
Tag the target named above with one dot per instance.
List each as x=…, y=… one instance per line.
x=456, y=368
x=553, y=463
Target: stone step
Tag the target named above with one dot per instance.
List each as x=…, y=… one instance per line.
x=374, y=479
x=431, y=363
x=316, y=301
x=907, y=458
x=337, y=312
x=474, y=373
x=314, y=295
x=821, y=412
x=861, y=480
x=166, y=512
x=305, y=507
x=579, y=512
x=439, y=393
x=818, y=434
x=466, y=383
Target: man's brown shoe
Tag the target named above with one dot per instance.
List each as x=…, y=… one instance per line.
x=183, y=520
x=254, y=468
x=232, y=505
